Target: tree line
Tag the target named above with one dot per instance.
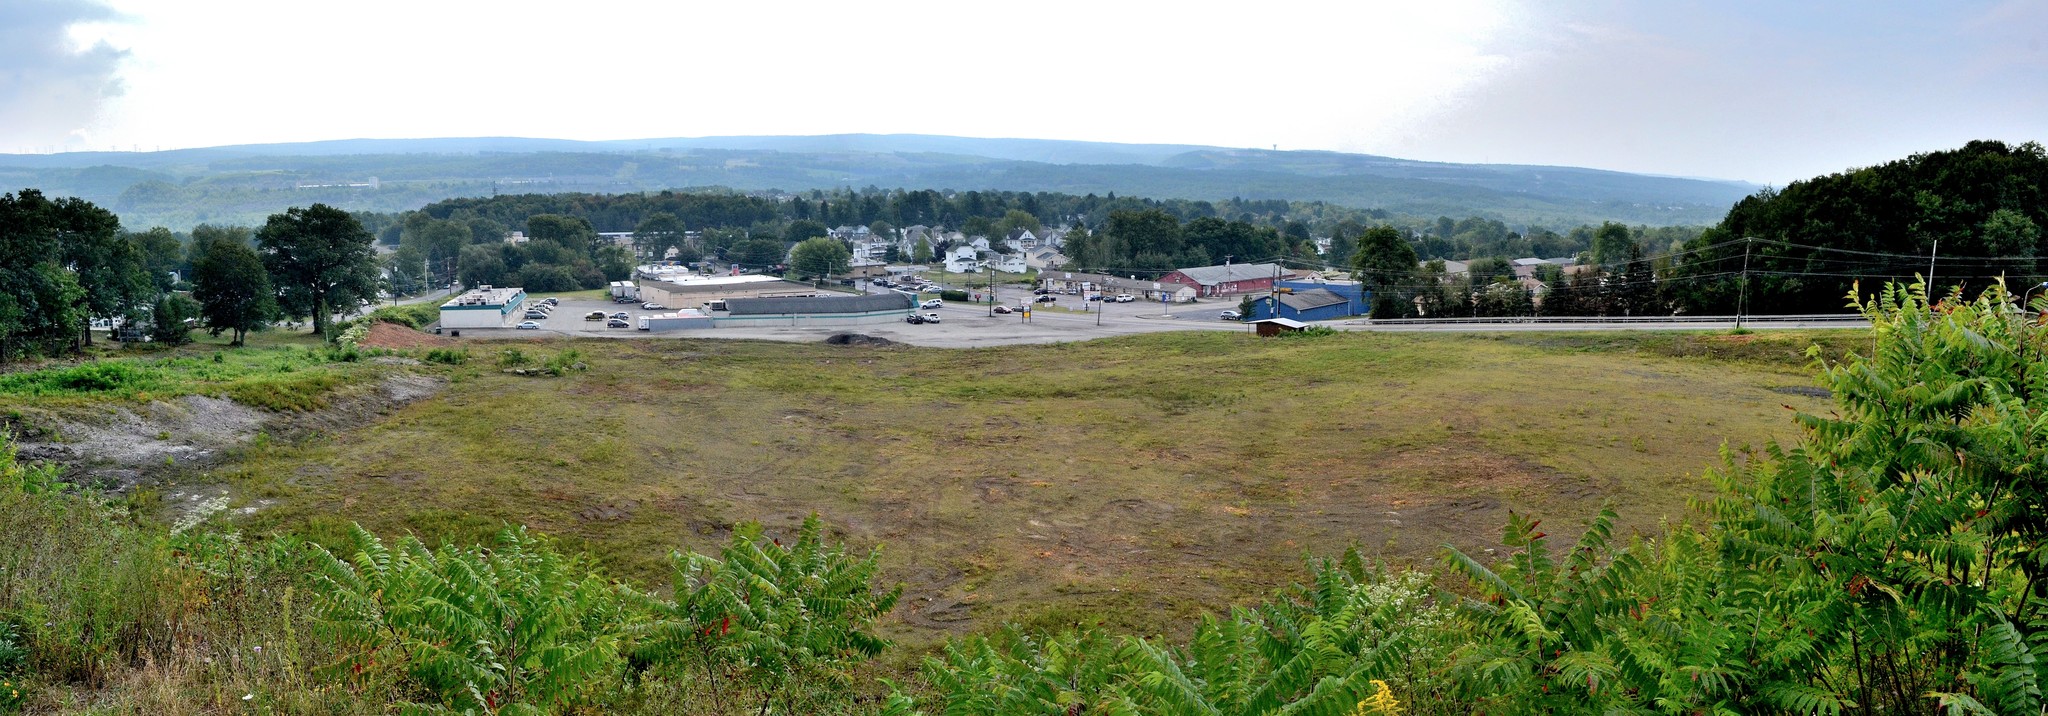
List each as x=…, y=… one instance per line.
x=67, y=265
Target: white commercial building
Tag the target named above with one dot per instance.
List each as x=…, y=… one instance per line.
x=483, y=307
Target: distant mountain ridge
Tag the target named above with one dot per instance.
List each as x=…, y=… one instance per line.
x=242, y=183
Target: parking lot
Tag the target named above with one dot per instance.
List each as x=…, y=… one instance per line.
x=962, y=325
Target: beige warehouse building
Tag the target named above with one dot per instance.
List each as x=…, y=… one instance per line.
x=696, y=293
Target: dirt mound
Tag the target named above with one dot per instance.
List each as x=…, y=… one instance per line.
x=857, y=339
x=392, y=335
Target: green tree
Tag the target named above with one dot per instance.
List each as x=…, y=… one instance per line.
x=1611, y=243
x=572, y=233
x=168, y=319
x=921, y=252
x=1149, y=231
x=108, y=268
x=41, y=302
x=2010, y=233
x=760, y=252
x=1342, y=248
x=484, y=265
x=657, y=234
x=820, y=258
x=321, y=260
x=1385, y=264
x=161, y=255
x=233, y=288
x=798, y=231
x=1013, y=220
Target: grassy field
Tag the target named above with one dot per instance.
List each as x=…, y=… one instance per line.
x=1132, y=481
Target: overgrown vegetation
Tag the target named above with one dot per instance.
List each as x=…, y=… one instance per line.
x=1882, y=563
x=411, y=315
x=290, y=379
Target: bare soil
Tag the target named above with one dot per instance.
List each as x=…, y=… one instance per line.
x=392, y=335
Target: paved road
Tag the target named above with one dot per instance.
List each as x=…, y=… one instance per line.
x=970, y=325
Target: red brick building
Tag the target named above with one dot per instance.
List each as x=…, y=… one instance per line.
x=1229, y=279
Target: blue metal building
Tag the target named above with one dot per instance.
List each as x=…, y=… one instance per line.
x=1313, y=301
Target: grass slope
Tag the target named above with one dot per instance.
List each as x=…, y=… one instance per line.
x=1134, y=481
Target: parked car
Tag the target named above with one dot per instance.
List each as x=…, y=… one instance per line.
x=931, y=318
x=618, y=323
x=552, y=301
x=537, y=315
x=528, y=326
x=1046, y=299
x=1004, y=309
x=1230, y=315
x=651, y=306
x=932, y=303
x=622, y=315
x=913, y=319
x=1040, y=291
x=594, y=316
x=1125, y=298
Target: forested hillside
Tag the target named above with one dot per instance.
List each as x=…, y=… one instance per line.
x=180, y=188
x=1968, y=215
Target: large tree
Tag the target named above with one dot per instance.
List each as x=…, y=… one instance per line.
x=1385, y=264
x=160, y=254
x=41, y=303
x=1612, y=243
x=657, y=234
x=321, y=259
x=820, y=258
x=233, y=288
x=107, y=265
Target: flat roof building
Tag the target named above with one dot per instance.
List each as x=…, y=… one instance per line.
x=482, y=307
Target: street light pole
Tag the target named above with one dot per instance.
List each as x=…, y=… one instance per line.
x=2030, y=292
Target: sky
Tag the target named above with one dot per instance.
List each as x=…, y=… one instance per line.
x=1764, y=91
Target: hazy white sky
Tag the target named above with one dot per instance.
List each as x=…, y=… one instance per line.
x=1744, y=89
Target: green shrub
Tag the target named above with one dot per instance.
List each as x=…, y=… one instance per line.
x=412, y=315
x=1330, y=647
x=1309, y=332
x=13, y=695
x=447, y=356
x=953, y=295
x=783, y=625
x=565, y=362
x=512, y=358
x=516, y=628
x=98, y=377
x=13, y=656
x=351, y=337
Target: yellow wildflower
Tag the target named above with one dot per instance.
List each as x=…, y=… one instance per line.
x=1382, y=702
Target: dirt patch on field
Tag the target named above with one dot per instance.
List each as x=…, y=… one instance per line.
x=857, y=339
x=392, y=335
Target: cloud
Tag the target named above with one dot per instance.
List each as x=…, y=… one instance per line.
x=51, y=87
x=1750, y=89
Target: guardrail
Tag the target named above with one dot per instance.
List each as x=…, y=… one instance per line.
x=1806, y=318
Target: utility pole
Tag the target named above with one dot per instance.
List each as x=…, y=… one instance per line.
x=991, y=289
x=1742, y=303
x=1930, y=269
x=1274, y=297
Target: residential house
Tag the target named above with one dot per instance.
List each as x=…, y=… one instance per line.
x=1009, y=263
x=1044, y=258
x=963, y=259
